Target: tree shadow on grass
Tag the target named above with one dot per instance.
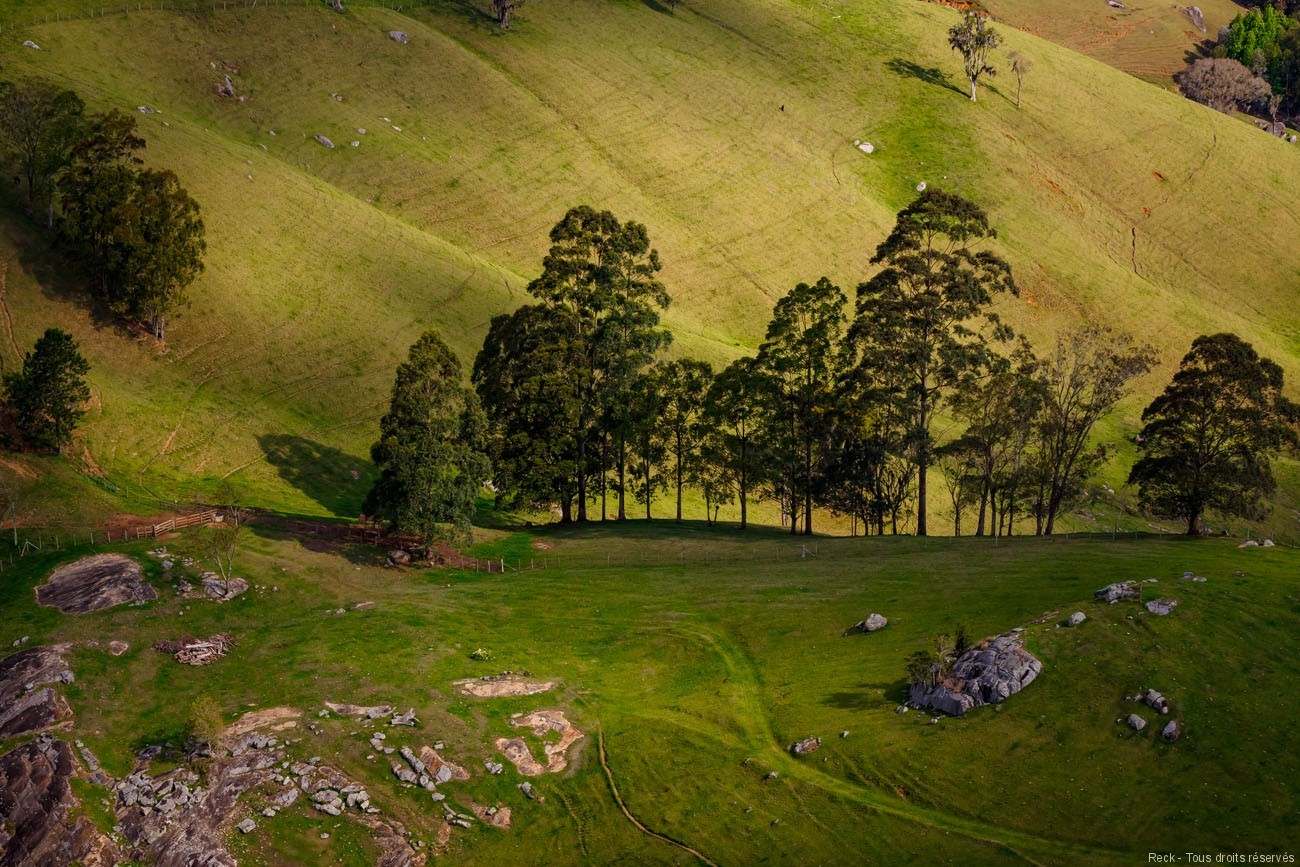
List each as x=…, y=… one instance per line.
x=928, y=74
x=868, y=694
x=656, y=6
x=333, y=478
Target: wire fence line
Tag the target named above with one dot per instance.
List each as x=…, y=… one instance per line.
x=107, y=9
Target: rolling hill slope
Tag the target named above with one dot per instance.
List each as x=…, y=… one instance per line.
x=728, y=129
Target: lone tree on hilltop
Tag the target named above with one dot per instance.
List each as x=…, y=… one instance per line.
x=430, y=452
x=974, y=40
x=46, y=396
x=923, y=323
x=503, y=9
x=1020, y=65
x=1208, y=437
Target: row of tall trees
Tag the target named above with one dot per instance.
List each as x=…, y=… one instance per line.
x=135, y=230
x=573, y=405
x=833, y=412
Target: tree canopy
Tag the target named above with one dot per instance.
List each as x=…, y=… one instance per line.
x=45, y=398
x=430, y=452
x=1208, y=437
x=39, y=124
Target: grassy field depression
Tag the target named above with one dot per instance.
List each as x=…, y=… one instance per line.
x=698, y=671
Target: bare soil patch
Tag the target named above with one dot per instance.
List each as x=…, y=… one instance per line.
x=501, y=687
x=260, y=718
x=93, y=584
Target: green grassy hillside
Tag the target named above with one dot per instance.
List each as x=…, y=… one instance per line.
x=701, y=655
x=728, y=129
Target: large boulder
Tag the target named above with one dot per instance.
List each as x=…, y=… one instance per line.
x=873, y=623
x=23, y=707
x=1113, y=593
x=988, y=673
x=1161, y=607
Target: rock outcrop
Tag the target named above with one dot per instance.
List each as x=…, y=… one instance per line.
x=873, y=623
x=36, y=801
x=94, y=583
x=987, y=673
x=28, y=702
x=1113, y=593
x=1161, y=607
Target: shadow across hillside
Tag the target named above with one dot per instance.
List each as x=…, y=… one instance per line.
x=868, y=694
x=928, y=74
x=335, y=479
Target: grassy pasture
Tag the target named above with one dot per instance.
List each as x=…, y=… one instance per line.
x=1113, y=200
x=730, y=651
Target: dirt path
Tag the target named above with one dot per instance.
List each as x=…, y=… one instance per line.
x=9, y=319
x=618, y=799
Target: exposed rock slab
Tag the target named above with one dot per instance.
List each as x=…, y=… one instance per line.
x=872, y=623
x=498, y=686
x=1161, y=607
x=36, y=823
x=94, y=583
x=541, y=722
x=988, y=673
x=25, y=710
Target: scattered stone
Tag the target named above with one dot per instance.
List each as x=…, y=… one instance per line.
x=1136, y=722
x=920, y=188
x=873, y=623
x=990, y=672
x=247, y=826
x=117, y=648
x=771, y=775
x=1113, y=593
x=226, y=87
x=528, y=790
x=406, y=775
x=1199, y=579
x=398, y=36
x=399, y=557
x=1267, y=543
x=325, y=141
x=902, y=708
x=1076, y=618
x=494, y=768
x=807, y=745
x=844, y=734
x=1161, y=607
x=1115, y=3
x=1249, y=543
x=95, y=583
x=356, y=144
x=867, y=147
x=404, y=719
x=30, y=44
x=1171, y=731
x=1198, y=18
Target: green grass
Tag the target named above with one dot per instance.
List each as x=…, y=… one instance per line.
x=324, y=265
x=701, y=672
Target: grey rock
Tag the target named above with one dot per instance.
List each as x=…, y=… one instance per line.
x=990, y=672
x=805, y=746
x=1136, y=722
x=1161, y=607
x=226, y=87
x=1076, y=618
x=1113, y=593
x=398, y=37
x=326, y=142
x=873, y=623
x=771, y=775
x=222, y=590
x=528, y=790
x=1156, y=701
x=412, y=760
x=1171, y=731
x=247, y=826
x=324, y=796
x=443, y=774
x=398, y=557
x=329, y=809
x=269, y=812
x=285, y=797
x=404, y=719
x=406, y=775
x=493, y=767
x=1267, y=543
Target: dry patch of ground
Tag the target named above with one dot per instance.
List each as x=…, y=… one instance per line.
x=93, y=584
x=271, y=716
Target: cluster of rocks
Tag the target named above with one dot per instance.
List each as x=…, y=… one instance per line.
x=872, y=623
x=1192, y=576
x=1113, y=593
x=1251, y=543
x=161, y=796
x=807, y=745
x=460, y=820
x=494, y=768
x=1158, y=703
x=987, y=673
x=333, y=802
x=37, y=822
x=19, y=642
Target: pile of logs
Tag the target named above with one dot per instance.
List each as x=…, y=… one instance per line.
x=197, y=651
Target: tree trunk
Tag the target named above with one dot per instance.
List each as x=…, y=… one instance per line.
x=622, y=479
x=920, y=494
x=984, y=504
x=807, y=487
x=679, y=477
x=1194, y=523
x=582, y=474
x=743, y=487
x=566, y=511
x=604, y=476
x=972, y=99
